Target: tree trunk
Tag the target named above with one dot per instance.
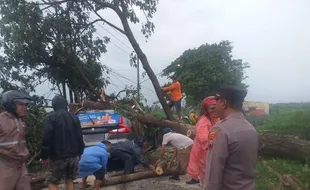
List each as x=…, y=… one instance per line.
x=38, y=182
x=177, y=127
x=134, y=177
x=142, y=57
x=161, y=167
x=271, y=145
x=191, y=133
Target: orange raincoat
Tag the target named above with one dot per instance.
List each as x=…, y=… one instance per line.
x=196, y=166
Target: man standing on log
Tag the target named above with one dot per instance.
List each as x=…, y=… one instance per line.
x=62, y=144
x=175, y=94
x=13, y=149
x=132, y=153
x=232, y=145
x=182, y=148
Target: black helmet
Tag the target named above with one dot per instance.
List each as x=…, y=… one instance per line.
x=10, y=97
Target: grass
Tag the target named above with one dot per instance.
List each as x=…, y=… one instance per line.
x=283, y=117
x=283, y=166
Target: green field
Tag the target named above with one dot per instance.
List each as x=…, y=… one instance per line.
x=293, y=120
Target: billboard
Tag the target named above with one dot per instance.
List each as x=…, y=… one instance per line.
x=256, y=108
x=98, y=119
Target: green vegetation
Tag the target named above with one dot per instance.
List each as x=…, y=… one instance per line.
x=202, y=70
x=288, y=119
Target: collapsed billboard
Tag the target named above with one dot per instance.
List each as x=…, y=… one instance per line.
x=256, y=108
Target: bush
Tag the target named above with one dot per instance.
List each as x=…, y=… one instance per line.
x=35, y=124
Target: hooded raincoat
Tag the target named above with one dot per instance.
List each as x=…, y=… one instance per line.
x=62, y=136
x=196, y=166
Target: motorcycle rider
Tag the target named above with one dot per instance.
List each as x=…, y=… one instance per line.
x=13, y=149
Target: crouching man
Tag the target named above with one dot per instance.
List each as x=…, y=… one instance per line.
x=132, y=153
x=94, y=161
x=182, y=148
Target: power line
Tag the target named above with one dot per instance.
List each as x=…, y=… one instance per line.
x=121, y=76
x=115, y=44
x=114, y=36
x=149, y=78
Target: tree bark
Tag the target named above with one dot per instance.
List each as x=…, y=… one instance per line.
x=38, y=182
x=135, y=176
x=161, y=167
x=271, y=145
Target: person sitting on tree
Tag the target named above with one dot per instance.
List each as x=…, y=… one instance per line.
x=175, y=95
x=182, y=148
x=94, y=161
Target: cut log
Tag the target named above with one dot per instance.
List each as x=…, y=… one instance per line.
x=161, y=167
x=299, y=182
x=291, y=182
x=279, y=176
x=271, y=145
x=134, y=177
x=191, y=133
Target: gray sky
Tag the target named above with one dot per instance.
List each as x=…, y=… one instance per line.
x=273, y=36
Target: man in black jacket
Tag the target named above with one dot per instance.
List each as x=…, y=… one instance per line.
x=62, y=144
x=131, y=153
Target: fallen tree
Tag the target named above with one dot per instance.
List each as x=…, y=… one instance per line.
x=270, y=145
x=136, y=176
x=278, y=146
x=38, y=182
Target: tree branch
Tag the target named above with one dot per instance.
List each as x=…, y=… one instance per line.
x=52, y=3
x=102, y=19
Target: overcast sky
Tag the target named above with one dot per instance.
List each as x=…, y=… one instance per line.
x=273, y=36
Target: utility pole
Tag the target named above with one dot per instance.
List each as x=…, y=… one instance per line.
x=138, y=79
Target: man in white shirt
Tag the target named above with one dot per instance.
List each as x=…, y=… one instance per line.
x=182, y=148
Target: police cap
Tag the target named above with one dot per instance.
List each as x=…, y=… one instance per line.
x=231, y=94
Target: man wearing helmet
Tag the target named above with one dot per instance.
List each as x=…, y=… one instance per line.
x=13, y=149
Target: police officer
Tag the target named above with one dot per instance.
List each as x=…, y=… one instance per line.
x=13, y=149
x=232, y=145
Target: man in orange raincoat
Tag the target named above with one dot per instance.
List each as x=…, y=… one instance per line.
x=207, y=118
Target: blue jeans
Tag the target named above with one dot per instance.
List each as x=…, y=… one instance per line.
x=176, y=104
